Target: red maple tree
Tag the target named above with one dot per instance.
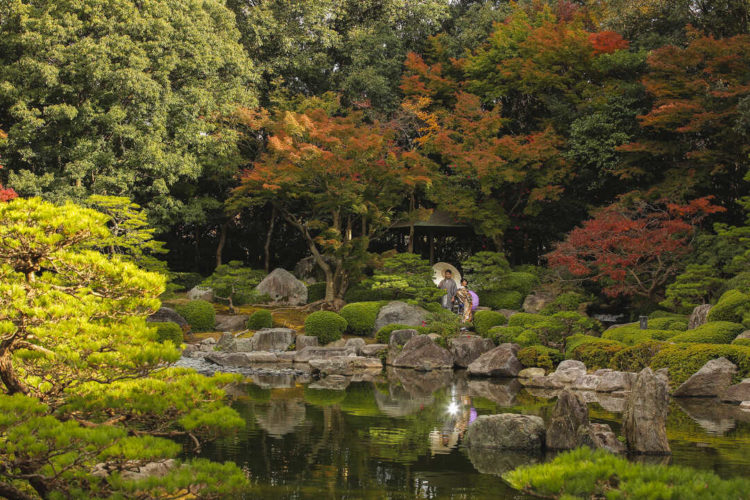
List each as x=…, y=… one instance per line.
x=6, y=194
x=632, y=249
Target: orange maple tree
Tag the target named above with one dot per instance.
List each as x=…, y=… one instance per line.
x=6, y=194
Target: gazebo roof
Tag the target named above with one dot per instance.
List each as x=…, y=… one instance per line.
x=437, y=220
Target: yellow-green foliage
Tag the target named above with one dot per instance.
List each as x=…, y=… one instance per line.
x=713, y=332
x=513, y=334
x=326, y=325
x=636, y=358
x=168, y=331
x=596, y=354
x=360, y=317
x=384, y=334
x=485, y=320
x=501, y=299
x=200, y=315
x=539, y=356
x=632, y=334
x=684, y=359
x=261, y=318
x=732, y=306
x=668, y=323
x=525, y=319
x=743, y=342
x=585, y=473
x=568, y=301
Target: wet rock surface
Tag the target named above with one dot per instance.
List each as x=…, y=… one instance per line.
x=712, y=380
x=645, y=415
x=400, y=313
x=422, y=353
x=507, y=431
x=498, y=362
x=467, y=348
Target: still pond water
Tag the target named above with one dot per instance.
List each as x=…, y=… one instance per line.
x=399, y=436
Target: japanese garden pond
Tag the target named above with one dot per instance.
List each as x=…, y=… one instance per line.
x=399, y=435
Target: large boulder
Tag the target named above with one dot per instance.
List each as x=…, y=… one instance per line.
x=399, y=338
x=231, y=322
x=467, y=348
x=308, y=353
x=346, y=365
x=569, y=414
x=400, y=313
x=422, y=353
x=710, y=381
x=645, y=415
x=498, y=362
x=373, y=350
x=737, y=393
x=241, y=359
x=531, y=372
x=273, y=339
x=535, y=302
x=283, y=288
x=613, y=381
x=201, y=293
x=303, y=341
x=166, y=315
x=226, y=342
x=568, y=371
x=699, y=316
x=508, y=431
x=355, y=344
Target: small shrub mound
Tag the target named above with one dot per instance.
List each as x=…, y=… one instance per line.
x=586, y=473
x=384, y=334
x=513, y=334
x=326, y=325
x=501, y=299
x=598, y=354
x=485, y=320
x=568, y=301
x=260, y=319
x=669, y=323
x=316, y=292
x=732, y=306
x=168, y=331
x=684, y=359
x=714, y=332
x=525, y=319
x=636, y=358
x=360, y=317
x=744, y=342
x=632, y=334
x=539, y=356
x=199, y=314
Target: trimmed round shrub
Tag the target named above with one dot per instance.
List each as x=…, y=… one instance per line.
x=663, y=314
x=539, y=356
x=316, y=292
x=683, y=360
x=501, y=299
x=520, y=282
x=568, y=301
x=596, y=355
x=632, y=334
x=679, y=323
x=484, y=320
x=578, y=339
x=360, y=317
x=362, y=294
x=384, y=334
x=526, y=319
x=260, y=319
x=168, y=330
x=714, y=332
x=200, y=315
x=504, y=334
x=732, y=306
x=326, y=325
x=743, y=342
x=636, y=358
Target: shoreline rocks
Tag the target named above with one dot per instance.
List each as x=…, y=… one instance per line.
x=712, y=380
x=507, y=431
x=421, y=353
x=645, y=415
x=498, y=362
x=283, y=288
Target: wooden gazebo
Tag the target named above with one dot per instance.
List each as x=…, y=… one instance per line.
x=439, y=223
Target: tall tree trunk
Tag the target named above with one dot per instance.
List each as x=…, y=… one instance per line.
x=267, y=246
x=222, y=241
x=411, y=224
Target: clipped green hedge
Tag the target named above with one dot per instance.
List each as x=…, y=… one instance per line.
x=514, y=335
x=526, y=319
x=685, y=359
x=568, y=301
x=326, y=325
x=384, y=334
x=316, y=292
x=636, y=358
x=168, y=330
x=669, y=323
x=732, y=306
x=260, y=319
x=598, y=354
x=539, y=356
x=586, y=473
x=485, y=320
x=632, y=334
x=743, y=342
x=714, y=332
x=501, y=299
x=360, y=317
x=199, y=314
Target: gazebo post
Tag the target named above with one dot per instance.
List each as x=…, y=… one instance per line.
x=431, y=236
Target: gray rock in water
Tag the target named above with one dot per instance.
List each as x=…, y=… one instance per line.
x=355, y=344
x=531, y=372
x=226, y=342
x=600, y=436
x=166, y=315
x=699, y=316
x=508, y=431
x=467, y=348
x=422, y=353
x=241, y=345
x=645, y=415
x=568, y=371
x=586, y=382
x=373, y=350
x=201, y=293
x=569, y=414
x=236, y=359
x=345, y=365
x=273, y=339
x=737, y=393
x=498, y=362
x=711, y=380
x=303, y=341
x=283, y=288
x=400, y=313
x=612, y=381
x=502, y=392
x=308, y=353
x=231, y=322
